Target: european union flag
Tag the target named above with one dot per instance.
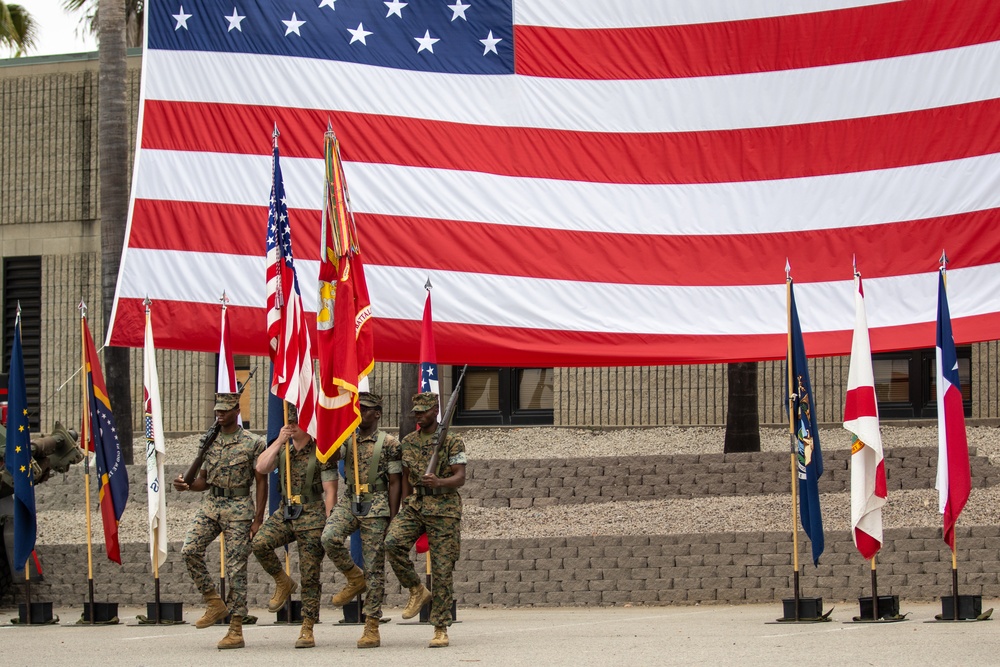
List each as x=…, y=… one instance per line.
x=808, y=454
x=18, y=456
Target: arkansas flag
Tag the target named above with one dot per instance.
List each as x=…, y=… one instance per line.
x=344, y=320
x=868, y=488
x=954, y=479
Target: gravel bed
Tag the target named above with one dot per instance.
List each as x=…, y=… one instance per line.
x=675, y=515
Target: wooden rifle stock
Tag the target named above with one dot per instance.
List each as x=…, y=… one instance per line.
x=206, y=440
x=442, y=430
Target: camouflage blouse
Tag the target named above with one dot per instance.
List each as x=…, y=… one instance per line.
x=389, y=463
x=313, y=512
x=417, y=449
x=229, y=462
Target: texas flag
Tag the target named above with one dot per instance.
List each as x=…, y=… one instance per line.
x=868, y=488
x=954, y=480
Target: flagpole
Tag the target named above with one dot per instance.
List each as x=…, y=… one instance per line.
x=875, y=615
x=222, y=565
x=86, y=457
x=288, y=499
x=152, y=535
x=954, y=535
x=27, y=582
x=794, y=454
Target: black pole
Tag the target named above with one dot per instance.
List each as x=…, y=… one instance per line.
x=90, y=586
x=796, y=594
x=27, y=582
x=954, y=593
x=156, y=596
x=875, y=615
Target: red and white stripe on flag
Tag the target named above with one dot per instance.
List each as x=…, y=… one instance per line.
x=868, y=486
x=655, y=161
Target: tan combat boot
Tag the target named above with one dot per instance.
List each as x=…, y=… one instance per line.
x=355, y=585
x=370, y=638
x=234, y=638
x=440, y=637
x=215, y=611
x=419, y=596
x=284, y=587
x=306, y=639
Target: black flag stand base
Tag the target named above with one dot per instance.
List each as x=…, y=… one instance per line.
x=99, y=613
x=970, y=608
x=810, y=610
x=170, y=613
x=888, y=610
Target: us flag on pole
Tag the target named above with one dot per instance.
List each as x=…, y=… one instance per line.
x=613, y=160
x=954, y=477
x=289, y=346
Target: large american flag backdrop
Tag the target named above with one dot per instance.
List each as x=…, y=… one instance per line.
x=585, y=182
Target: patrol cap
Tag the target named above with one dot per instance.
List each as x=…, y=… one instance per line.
x=370, y=400
x=424, y=401
x=226, y=402
x=293, y=413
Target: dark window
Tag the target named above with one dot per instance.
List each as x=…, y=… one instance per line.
x=502, y=396
x=905, y=383
x=22, y=282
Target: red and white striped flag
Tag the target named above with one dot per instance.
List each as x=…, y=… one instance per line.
x=636, y=157
x=287, y=327
x=868, y=488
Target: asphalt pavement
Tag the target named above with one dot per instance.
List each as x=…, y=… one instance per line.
x=680, y=635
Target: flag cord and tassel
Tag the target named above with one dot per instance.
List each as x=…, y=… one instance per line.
x=794, y=456
x=86, y=460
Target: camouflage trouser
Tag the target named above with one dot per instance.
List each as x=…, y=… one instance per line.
x=277, y=533
x=342, y=523
x=208, y=522
x=444, y=537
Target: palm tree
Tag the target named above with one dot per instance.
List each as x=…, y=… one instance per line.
x=133, y=17
x=18, y=29
x=112, y=148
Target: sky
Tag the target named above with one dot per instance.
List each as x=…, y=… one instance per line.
x=57, y=29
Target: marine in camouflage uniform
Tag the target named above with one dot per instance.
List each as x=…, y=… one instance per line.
x=383, y=494
x=434, y=507
x=227, y=508
x=314, y=489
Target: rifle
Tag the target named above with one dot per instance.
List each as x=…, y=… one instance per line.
x=206, y=440
x=442, y=430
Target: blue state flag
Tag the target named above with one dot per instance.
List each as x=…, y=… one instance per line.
x=809, y=457
x=275, y=420
x=18, y=455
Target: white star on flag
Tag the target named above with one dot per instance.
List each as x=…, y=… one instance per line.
x=458, y=10
x=427, y=42
x=328, y=3
x=181, y=18
x=490, y=43
x=395, y=7
x=359, y=34
x=234, y=21
x=293, y=25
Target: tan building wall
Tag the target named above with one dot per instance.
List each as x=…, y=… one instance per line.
x=49, y=194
